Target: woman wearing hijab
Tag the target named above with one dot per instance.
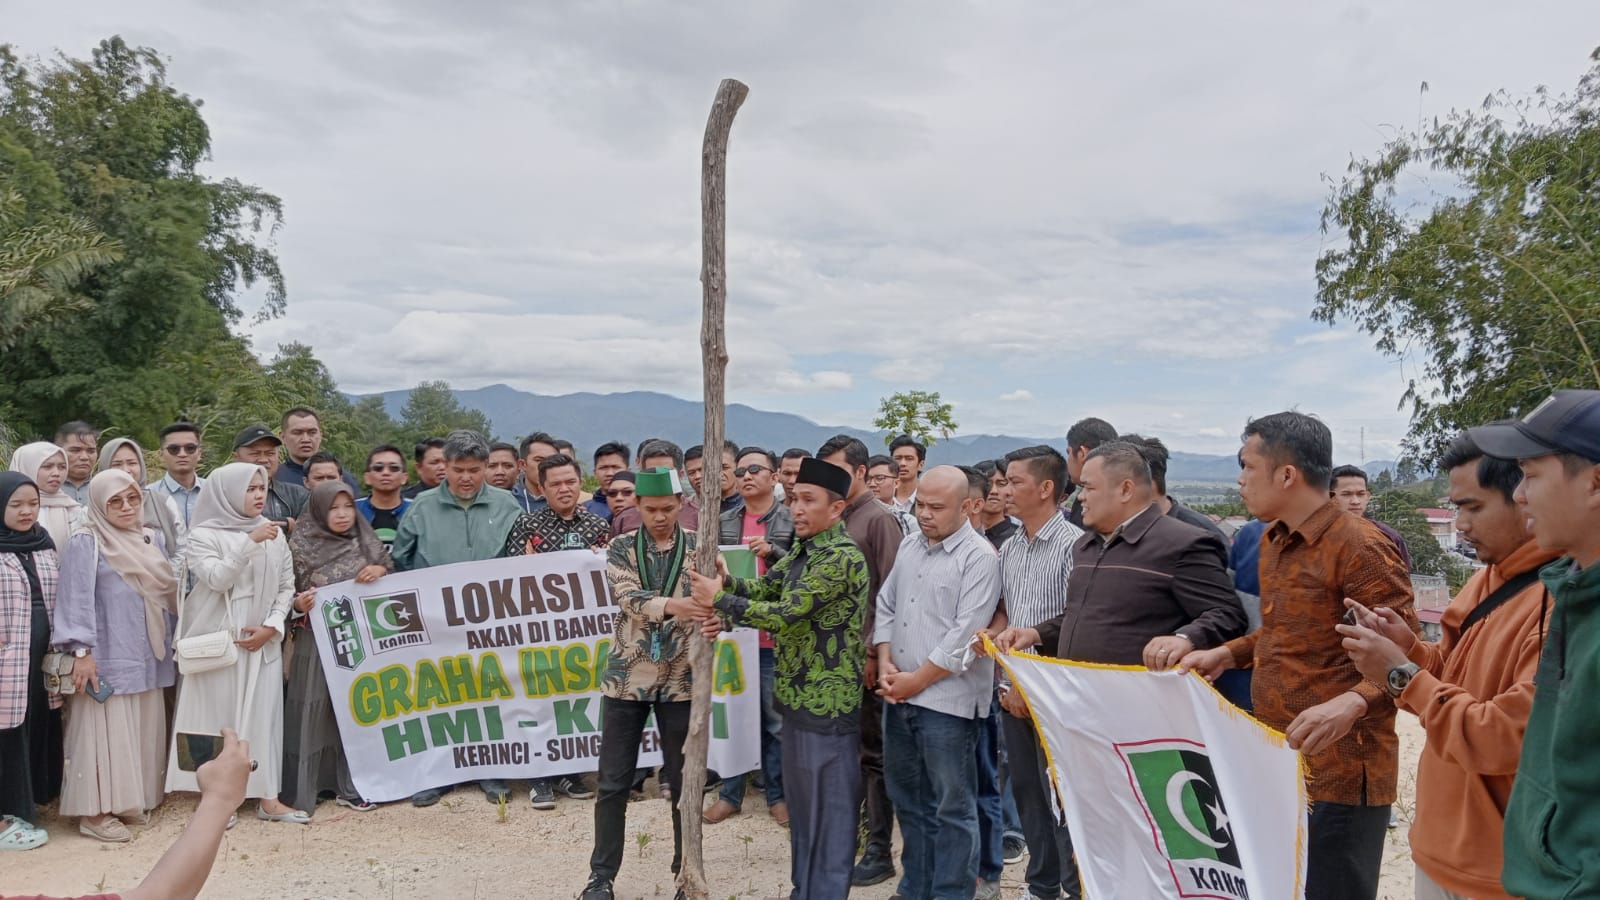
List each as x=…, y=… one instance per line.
x=332, y=543
x=45, y=464
x=30, y=721
x=243, y=584
x=116, y=610
x=159, y=513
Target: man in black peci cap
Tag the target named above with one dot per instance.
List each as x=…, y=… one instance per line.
x=1555, y=806
x=812, y=601
x=285, y=502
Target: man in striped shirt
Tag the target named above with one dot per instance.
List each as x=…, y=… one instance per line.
x=942, y=590
x=1035, y=564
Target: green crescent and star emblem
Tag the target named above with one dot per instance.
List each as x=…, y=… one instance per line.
x=1177, y=787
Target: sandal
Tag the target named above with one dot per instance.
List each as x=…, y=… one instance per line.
x=356, y=803
x=110, y=831
x=138, y=817
x=20, y=835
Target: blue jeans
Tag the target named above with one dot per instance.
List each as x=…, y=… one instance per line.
x=991, y=807
x=771, y=743
x=933, y=786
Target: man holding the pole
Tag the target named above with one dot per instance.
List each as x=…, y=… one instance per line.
x=812, y=601
x=648, y=670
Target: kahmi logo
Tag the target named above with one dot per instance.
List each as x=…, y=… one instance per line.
x=395, y=621
x=1177, y=788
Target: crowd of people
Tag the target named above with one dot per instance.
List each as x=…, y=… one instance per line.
x=134, y=608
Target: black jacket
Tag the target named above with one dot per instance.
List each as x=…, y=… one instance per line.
x=1157, y=576
x=779, y=523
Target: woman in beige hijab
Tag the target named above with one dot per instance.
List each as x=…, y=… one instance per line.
x=115, y=611
x=45, y=465
x=159, y=513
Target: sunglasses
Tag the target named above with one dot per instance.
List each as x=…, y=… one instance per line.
x=614, y=493
x=389, y=468
x=751, y=470
x=182, y=449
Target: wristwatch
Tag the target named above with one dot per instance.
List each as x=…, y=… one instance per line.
x=80, y=653
x=1399, y=677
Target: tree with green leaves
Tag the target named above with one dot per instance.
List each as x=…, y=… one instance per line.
x=921, y=414
x=1492, y=280
x=107, y=144
x=1399, y=510
x=43, y=260
x=432, y=410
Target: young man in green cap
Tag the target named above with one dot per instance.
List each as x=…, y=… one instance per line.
x=813, y=601
x=648, y=668
x=1554, y=812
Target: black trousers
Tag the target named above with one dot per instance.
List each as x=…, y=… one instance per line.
x=622, y=726
x=1344, y=851
x=1052, y=869
x=875, y=795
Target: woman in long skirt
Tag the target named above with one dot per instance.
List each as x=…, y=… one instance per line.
x=28, y=716
x=115, y=612
x=243, y=584
x=332, y=543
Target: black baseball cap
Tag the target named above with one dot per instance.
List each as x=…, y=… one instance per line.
x=1568, y=422
x=257, y=432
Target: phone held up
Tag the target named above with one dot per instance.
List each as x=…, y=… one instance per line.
x=195, y=750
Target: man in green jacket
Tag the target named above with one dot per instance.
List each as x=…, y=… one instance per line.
x=462, y=520
x=1554, y=815
x=812, y=601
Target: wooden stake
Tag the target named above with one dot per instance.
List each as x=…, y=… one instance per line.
x=714, y=352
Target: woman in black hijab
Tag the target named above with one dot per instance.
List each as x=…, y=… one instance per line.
x=30, y=720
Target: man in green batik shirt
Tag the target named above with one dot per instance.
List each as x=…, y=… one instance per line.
x=812, y=601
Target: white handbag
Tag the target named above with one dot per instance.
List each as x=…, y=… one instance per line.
x=203, y=652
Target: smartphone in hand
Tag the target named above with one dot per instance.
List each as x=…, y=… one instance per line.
x=195, y=750
x=101, y=690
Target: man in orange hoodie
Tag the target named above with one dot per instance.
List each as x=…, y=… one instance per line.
x=1473, y=690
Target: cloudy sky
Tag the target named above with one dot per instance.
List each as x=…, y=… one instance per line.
x=1042, y=210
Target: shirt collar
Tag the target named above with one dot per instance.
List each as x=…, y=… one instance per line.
x=1312, y=529
x=951, y=543
x=1133, y=529
x=176, y=488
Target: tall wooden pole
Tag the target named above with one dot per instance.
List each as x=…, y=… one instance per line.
x=714, y=353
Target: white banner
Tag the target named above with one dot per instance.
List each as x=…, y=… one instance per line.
x=492, y=670
x=1169, y=791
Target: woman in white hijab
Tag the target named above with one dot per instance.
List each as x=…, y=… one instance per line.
x=159, y=513
x=243, y=584
x=46, y=465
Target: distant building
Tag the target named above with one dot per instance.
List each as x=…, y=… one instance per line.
x=1442, y=525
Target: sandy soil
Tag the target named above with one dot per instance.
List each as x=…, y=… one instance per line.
x=462, y=848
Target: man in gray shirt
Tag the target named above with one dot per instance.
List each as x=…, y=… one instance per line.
x=944, y=588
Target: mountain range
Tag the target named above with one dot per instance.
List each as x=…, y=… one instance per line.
x=589, y=420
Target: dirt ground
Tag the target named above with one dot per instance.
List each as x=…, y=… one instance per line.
x=462, y=849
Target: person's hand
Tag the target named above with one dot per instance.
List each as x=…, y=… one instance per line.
x=1386, y=622
x=1163, y=652
x=304, y=600
x=254, y=637
x=702, y=589
x=264, y=532
x=722, y=570
x=760, y=547
x=369, y=574
x=1321, y=726
x=1015, y=638
x=687, y=608
x=84, y=672
x=1011, y=701
x=869, y=672
x=711, y=627
x=1372, y=652
x=224, y=778
x=1209, y=663
x=899, y=686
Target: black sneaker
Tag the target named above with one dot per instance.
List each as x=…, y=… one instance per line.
x=597, y=889
x=543, y=796
x=875, y=867
x=1014, y=849
x=430, y=796
x=575, y=787
x=495, y=790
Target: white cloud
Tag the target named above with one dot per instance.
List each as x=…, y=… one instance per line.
x=1021, y=395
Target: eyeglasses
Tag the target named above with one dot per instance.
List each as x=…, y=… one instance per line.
x=751, y=470
x=182, y=449
x=879, y=479
x=615, y=493
x=389, y=468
